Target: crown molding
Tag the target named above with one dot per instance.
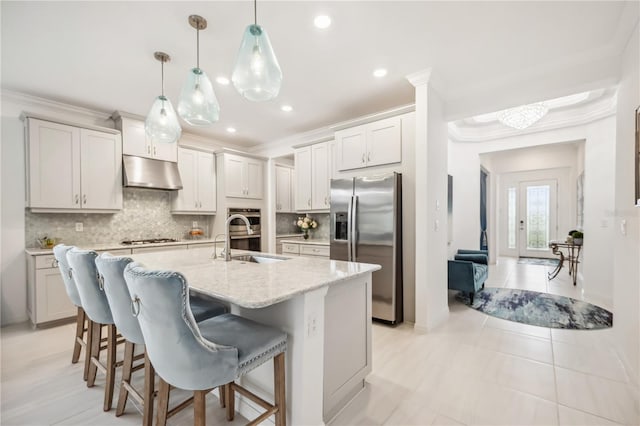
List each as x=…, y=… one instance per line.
x=554, y=120
x=420, y=77
x=26, y=100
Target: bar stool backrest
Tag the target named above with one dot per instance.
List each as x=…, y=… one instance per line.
x=177, y=350
x=85, y=274
x=60, y=252
x=111, y=270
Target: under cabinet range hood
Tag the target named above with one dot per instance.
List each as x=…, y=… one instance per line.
x=140, y=172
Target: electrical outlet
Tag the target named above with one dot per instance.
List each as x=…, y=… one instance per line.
x=79, y=227
x=312, y=328
x=194, y=224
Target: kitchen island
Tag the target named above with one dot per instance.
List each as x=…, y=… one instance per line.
x=323, y=305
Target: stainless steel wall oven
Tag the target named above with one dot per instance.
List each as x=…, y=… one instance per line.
x=238, y=231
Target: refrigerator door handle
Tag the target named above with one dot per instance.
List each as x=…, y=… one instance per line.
x=354, y=227
x=349, y=234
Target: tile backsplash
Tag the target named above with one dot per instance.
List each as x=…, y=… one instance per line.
x=285, y=224
x=146, y=213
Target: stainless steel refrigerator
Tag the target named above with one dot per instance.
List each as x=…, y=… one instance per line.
x=366, y=226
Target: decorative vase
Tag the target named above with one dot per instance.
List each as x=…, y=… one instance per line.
x=306, y=235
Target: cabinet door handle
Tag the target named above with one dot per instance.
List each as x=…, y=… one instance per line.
x=363, y=158
x=309, y=202
x=148, y=149
x=200, y=204
x=54, y=263
x=84, y=199
x=195, y=205
x=77, y=198
x=325, y=201
x=368, y=156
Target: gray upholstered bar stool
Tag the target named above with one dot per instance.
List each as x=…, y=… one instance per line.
x=79, y=342
x=201, y=356
x=111, y=273
x=96, y=306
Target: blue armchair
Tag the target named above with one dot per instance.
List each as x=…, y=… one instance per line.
x=468, y=271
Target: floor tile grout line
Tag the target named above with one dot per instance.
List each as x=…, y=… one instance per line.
x=588, y=413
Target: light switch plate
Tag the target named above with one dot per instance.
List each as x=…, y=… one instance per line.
x=79, y=227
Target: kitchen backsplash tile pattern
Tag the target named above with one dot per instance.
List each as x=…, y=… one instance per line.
x=146, y=214
x=286, y=224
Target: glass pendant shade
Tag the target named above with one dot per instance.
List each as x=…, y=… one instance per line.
x=198, y=104
x=161, y=125
x=256, y=74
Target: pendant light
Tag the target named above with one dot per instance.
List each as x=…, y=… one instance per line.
x=256, y=74
x=198, y=105
x=161, y=125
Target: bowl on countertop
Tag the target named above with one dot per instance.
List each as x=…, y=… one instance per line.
x=48, y=242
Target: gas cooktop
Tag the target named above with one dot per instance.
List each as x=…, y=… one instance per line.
x=149, y=241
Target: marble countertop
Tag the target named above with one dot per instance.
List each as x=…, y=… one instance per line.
x=254, y=285
x=35, y=251
x=317, y=242
x=293, y=234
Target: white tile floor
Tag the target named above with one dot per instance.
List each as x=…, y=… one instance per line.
x=473, y=370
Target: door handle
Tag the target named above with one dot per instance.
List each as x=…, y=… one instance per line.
x=349, y=234
x=155, y=152
x=522, y=225
x=363, y=158
x=354, y=229
x=148, y=149
x=369, y=156
x=77, y=198
x=309, y=202
x=84, y=199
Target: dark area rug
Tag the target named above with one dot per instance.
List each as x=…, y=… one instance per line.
x=541, y=309
x=538, y=261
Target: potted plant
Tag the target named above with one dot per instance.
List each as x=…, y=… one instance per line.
x=305, y=224
x=577, y=237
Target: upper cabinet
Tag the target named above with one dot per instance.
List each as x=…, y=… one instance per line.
x=284, y=189
x=135, y=140
x=72, y=168
x=198, y=173
x=243, y=176
x=313, y=176
x=371, y=144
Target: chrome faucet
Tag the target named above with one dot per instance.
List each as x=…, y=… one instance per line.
x=227, y=240
x=214, y=256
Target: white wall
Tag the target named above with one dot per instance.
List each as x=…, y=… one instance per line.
x=626, y=246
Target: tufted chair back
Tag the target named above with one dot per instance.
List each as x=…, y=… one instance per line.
x=85, y=274
x=60, y=252
x=111, y=271
x=177, y=350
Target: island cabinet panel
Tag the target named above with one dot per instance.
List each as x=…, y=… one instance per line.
x=47, y=298
x=371, y=144
x=72, y=169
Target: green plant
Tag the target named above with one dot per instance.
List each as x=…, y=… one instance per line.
x=577, y=234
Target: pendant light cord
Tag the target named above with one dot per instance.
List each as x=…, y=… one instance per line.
x=162, y=76
x=255, y=12
x=198, y=47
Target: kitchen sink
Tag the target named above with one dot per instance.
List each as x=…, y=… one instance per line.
x=258, y=259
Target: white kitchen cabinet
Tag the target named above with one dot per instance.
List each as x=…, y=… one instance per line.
x=284, y=189
x=244, y=176
x=313, y=177
x=72, y=168
x=136, y=142
x=371, y=144
x=47, y=298
x=305, y=249
x=198, y=174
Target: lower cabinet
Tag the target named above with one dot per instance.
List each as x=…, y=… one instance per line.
x=47, y=298
x=305, y=249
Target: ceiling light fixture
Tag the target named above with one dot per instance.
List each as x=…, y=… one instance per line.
x=223, y=80
x=322, y=22
x=198, y=105
x=256, y=74
x=286, y=108
x=231, y=130
x=161, y=124
x=522, y=116
x=380, y=72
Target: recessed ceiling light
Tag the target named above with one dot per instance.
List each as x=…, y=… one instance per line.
x=223, y=80
x=286, y=108
x=380, y=72
x=322, y=21
x=231, y=129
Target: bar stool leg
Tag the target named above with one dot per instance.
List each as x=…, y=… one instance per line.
x=127, y=365
x=163, y=403
x=229, y=394
x=77, y=346
x=279, y=389
x=148, y=395
x=221, y=396
x=87, y=349
x=96, y=337
x=199, y=408
x=111, y=367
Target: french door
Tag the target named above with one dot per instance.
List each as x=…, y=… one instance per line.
x=532, y=217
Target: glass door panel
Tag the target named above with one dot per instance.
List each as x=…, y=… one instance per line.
x=537, y=217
